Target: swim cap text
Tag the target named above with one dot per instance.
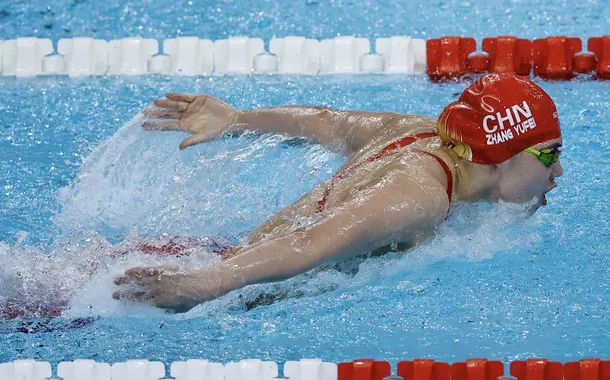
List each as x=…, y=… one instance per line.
x=503, y=126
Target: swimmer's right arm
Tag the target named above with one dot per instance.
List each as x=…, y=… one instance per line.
x=347, y=130
x=208, y=117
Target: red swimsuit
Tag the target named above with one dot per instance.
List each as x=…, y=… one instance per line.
x=388, y=150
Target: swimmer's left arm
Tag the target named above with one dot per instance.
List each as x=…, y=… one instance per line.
x=360, y=226
x=398, y=208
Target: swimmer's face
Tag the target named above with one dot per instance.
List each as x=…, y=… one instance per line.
x=524, y=178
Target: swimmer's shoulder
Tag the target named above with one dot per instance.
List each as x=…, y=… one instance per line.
x=410, y=123
x=402, y=125
x=398, y=126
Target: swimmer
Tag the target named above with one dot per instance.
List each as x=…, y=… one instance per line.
x=499, y=141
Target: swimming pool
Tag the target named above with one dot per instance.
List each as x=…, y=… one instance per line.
x=492, y=284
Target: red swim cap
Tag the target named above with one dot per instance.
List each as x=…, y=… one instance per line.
x=497, y=117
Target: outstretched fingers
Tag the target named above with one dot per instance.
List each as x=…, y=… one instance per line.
x=165, y=113
x=139, y=276
x=162, y=125
x=181, y=97
x=133, y=295
x=137, y=284
x=161, y=113
x=177, y=105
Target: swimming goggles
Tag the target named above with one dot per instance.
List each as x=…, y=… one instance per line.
x=548, y=156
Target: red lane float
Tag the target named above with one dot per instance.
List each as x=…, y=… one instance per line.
x=509, y=54
x=478, y=63
x=446, y=56
x=424, y=369
x=587, y=369
x=601, y=47
x=553, y=56
x=536, y=369
x=477, y=369
x=363, y=369
x=584, y=63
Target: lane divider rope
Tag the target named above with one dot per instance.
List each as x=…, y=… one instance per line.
x=311, y=369
x=445, y=58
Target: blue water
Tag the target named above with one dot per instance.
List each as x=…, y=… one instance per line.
x=77, y=177
x=311, y=18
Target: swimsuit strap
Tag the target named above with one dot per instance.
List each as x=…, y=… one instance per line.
x=447, y=173
x=407, y=141
x=386, y=151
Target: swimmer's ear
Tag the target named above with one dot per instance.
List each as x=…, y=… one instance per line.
x=195, y=139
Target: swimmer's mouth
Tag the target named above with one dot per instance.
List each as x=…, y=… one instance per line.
x=551, y=187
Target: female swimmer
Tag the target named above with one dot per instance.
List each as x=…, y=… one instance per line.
x=499, y=141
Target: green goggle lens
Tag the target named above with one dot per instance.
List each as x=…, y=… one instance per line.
x=548, y=156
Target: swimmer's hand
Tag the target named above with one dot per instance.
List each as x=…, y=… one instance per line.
x=203, y=115
x=170, y=288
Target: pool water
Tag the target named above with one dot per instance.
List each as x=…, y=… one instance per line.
x=78, y=177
